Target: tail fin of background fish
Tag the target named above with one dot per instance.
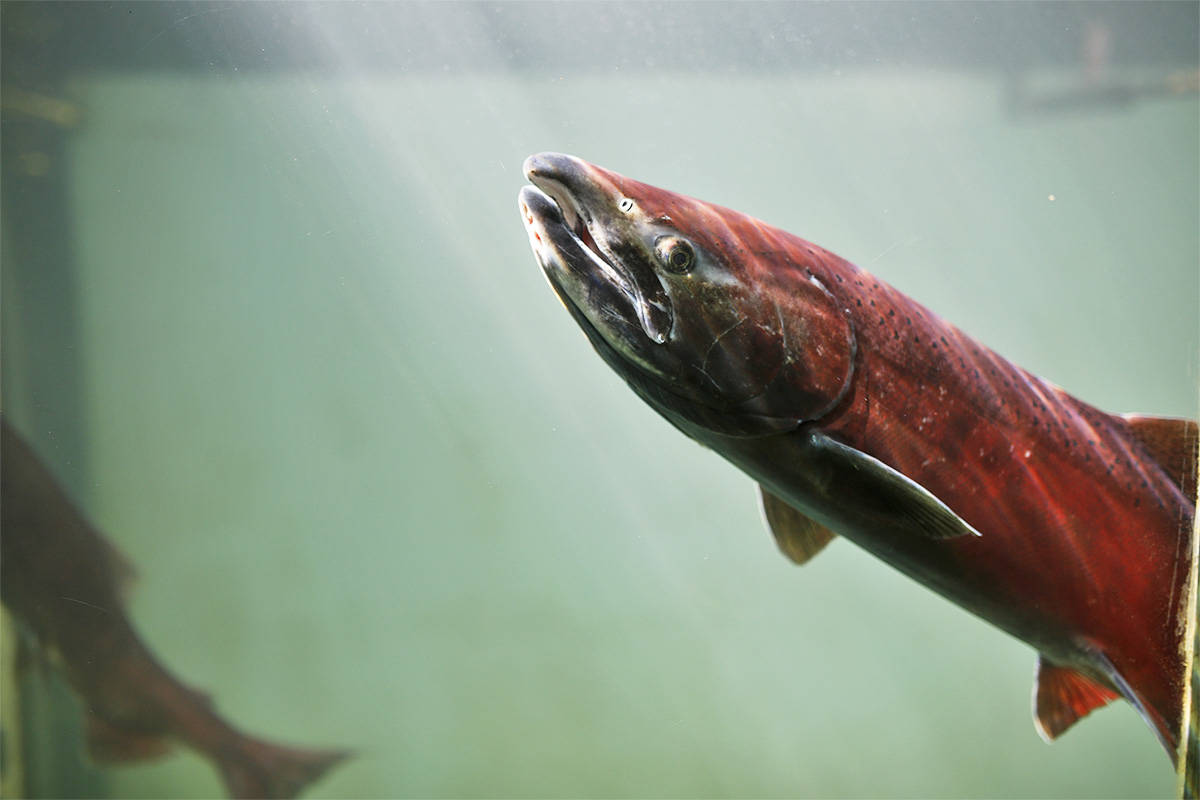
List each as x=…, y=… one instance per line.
x=248, y=767
x=262, y=769
x=63, y=580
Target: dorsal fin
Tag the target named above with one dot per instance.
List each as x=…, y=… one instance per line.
x=798, y=537
x=1172, y=444
x=1062, y=696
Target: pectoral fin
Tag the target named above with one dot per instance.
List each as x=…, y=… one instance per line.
x=881, y=493
x=1061, y=696
x=799, y=537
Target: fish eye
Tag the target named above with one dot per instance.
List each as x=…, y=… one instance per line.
x=626, y=205
x=675, y=254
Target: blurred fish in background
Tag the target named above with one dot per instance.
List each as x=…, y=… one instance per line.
x=65, y=582
x=1094, y=84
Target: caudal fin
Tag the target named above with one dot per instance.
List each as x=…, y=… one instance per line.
x=262, y=769
x=1189, y=751
x=1175, y=445
x=1189, y=767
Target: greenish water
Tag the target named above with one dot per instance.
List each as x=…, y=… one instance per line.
x=383, y=495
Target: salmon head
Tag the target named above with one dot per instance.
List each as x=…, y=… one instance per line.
x=712, y=317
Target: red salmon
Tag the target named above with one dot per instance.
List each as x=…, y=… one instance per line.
x=862, y=413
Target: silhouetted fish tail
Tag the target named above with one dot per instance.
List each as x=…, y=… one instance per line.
x=260, y=769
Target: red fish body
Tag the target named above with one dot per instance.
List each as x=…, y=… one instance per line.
x=1085, y=536
x=861, y=413
x=63, y=579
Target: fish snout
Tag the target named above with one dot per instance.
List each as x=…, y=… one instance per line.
x=558, y=167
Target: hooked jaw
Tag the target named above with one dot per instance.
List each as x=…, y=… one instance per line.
x=595, y=294
x=556, y=236
x=576, y=228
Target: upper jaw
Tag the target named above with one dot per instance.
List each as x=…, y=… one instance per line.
x=553, y=173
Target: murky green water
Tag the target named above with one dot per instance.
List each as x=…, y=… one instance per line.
x=383, y=495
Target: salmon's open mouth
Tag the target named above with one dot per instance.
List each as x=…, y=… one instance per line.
x=561, y=241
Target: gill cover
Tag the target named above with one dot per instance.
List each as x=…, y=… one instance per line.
x=758, y=357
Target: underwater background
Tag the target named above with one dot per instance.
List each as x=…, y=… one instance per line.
x=270, y=314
